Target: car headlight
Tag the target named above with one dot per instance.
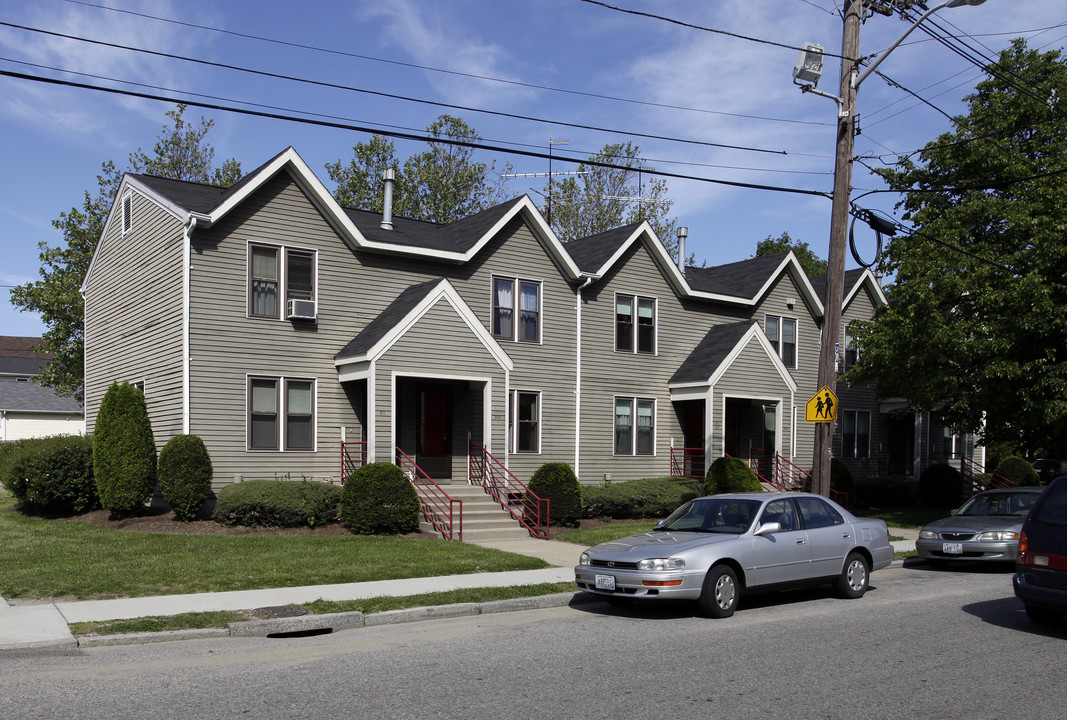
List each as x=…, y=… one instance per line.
x=928, y=535
x=584, y=559
x=998, y=536
x=673, y=563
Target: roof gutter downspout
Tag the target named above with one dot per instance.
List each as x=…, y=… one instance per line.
x=187, y=267
x=578, y=377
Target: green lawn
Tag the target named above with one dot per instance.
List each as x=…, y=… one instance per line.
x=602, y=533
x=42, y=558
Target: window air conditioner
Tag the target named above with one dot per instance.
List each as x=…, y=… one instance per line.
x=300, y=309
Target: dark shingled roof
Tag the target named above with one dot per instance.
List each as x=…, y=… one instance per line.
x=742, y=279
x=710, y=352
x=819, y=283
x=590, y=253
x=458, y=237
x=17, y=356
x=32, y=397
x=194, y=197
x=380, y=326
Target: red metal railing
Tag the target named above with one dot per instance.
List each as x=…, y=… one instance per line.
x=687, y=462
x=791, y=477
x=530, y=510
x=445, y=513
x=353, y=456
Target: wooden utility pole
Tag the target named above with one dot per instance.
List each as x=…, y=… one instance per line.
x=835, y=280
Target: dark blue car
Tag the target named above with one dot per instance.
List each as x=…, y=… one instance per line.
x=1041, y=569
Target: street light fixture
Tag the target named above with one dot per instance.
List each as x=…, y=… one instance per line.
x=839, y=214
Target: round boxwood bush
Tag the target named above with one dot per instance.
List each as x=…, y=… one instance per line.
x=557, y=483
x=124, y=451
x=729, y=474
x=940, y=486
x=379, y=499
x=185, y=475
x=277, y=503
x=1017, y=470
x=52, y=475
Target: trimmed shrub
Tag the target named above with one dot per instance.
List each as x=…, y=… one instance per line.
x=841, y=477
x=379, y=499
x=940, y=487
x=124, y=451
x=729, y=474
x=51, y=475
x=644, y=498
x=278, y=503
x=557, y=482
x=1018, y=470
x=185, y=475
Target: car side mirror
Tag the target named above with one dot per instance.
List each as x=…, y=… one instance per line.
x=768, y=528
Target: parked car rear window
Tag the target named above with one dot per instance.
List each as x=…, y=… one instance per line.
x=1051, y=509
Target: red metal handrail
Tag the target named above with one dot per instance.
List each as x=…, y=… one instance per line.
x=445, y=513
x=353, y=456
x=687, y=462
x=527, y=507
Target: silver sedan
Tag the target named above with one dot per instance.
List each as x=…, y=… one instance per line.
x=713, y=549
x=985, y=528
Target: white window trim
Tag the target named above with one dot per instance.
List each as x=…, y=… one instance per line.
x=634, y=399
x=283, y=280
x=516, y=287
x=636, y=323
x=855, y=434
x=796, y=339
x=514, y=443
x=280, y=403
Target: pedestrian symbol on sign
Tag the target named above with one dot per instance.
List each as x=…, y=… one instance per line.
x=822, y=407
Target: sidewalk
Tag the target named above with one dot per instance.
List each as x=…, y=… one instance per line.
x=47, y=625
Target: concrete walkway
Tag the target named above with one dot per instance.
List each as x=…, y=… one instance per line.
x=47, y=624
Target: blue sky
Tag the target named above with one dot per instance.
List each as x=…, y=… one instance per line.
x=563, y=60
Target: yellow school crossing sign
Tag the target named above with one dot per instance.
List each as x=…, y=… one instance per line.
x=822, y=408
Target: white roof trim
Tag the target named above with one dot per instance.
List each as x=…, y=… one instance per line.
x=866, y=279
x=755, y=332
x=443, y=291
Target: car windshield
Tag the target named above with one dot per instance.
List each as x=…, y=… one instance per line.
x=999, y=504
x=713, y=515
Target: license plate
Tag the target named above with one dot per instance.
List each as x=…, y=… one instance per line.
x=952, y=548
x=605, y=582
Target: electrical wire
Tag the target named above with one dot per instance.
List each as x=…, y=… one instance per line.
x=404, y=135
x=456, y=73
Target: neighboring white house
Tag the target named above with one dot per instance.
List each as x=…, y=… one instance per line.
x=28, y=409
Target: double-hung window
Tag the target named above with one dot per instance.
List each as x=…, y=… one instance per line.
x=276, y=273
x=782, y=332
x=635, y=426
x=852, y=349
x=281, y=413
x=635, y=324
x=526, y=419
x=516, y=309
x=856, y=434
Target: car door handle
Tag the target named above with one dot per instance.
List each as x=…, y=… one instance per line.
x=847, y=535
x=800, y=541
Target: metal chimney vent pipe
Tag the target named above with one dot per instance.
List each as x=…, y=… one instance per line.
x=683, y=233
x=388, y=177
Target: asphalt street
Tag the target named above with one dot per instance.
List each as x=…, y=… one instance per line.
x=920, y=644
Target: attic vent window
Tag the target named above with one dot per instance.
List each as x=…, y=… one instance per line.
x=127, y=213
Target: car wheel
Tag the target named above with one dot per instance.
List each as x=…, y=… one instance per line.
x=853, y=581
x=721, y=592
x=1043, y=616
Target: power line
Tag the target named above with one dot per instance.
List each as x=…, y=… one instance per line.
x=393, y=96
x=429, y=68
x=401, y=135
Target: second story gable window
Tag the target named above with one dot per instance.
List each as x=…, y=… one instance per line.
x=782, y=332
x=276, y=274
x=127, y=213
x=852, y=348
x=635, y=324
x=516, y=309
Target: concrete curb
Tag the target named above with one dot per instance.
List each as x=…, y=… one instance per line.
x=332, y=622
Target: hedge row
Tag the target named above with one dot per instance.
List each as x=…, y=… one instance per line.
x=278, y=503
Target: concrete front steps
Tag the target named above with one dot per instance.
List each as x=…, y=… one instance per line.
x=483, y=518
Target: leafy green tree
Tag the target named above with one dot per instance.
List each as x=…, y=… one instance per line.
x=124, y=451
x=442, y=184
x=180, y=153
x=607, y=197
x=812, y=264
x=976, y=327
